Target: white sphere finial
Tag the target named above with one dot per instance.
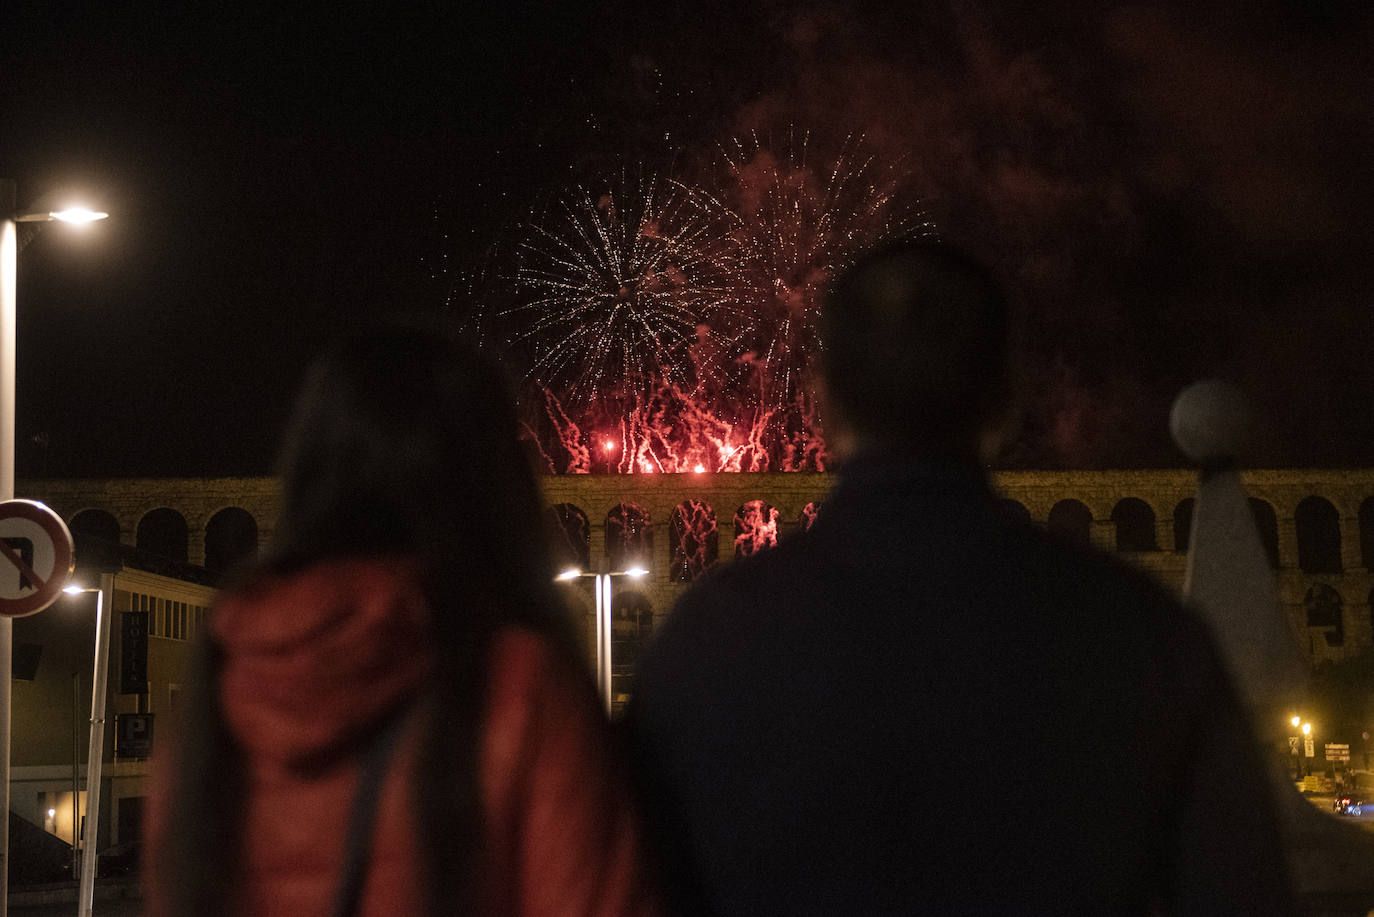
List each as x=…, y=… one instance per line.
x=1211, y=421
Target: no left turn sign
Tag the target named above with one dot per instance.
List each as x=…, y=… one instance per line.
x=36, y=557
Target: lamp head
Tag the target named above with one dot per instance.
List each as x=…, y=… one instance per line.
x=78, y=215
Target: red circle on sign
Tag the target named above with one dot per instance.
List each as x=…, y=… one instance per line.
x=64, y=557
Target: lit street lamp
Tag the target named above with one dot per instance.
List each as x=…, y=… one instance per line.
x=95, y=754
x=9, y=260
x=604, y=623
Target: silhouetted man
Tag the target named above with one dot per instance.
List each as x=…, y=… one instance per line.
x=922, y=706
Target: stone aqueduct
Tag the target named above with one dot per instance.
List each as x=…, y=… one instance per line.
x=1318, y=525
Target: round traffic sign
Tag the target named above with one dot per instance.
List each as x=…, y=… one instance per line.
x=36, y=557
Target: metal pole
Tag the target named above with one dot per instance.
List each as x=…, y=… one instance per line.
x=600, y=641
x=9, y=261
x=605, y=629
x=96, y=754
x=76, y=773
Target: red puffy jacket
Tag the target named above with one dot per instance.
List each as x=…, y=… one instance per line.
x=312, y=661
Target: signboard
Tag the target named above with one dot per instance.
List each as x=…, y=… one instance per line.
x=1337, y=752
x=1293, y=744
x=36, y=557
x=1309, y=746
x=134, y=735
x=133, y=652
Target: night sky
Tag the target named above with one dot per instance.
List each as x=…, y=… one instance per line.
x=1173, y=192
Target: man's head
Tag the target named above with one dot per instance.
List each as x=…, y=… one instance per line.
x=916, y=349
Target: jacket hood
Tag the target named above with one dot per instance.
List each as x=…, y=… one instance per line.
x=312, y=659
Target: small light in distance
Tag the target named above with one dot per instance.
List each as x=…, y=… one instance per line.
x=570, y=573
x=636, y=572
x=52, y=813
x=608, y=445
x=699, y=469
x=73, y=589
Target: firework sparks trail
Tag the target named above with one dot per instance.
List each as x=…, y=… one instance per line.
x=756, y=528
x=569, y=437
x=610, y=285
x=629, y=535
x=570, y=536
x=797, y=220
x=810, y=513
x=694, y=542
x=680, y=321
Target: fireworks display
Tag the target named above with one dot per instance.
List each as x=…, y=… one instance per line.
x=672, y=325
x=611, y=284
x=756, y=528
x=693, y=541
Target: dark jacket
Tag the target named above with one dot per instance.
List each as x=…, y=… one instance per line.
x=921, y=706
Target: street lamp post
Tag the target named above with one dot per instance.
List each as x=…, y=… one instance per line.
x=604, y=623
x=9, y=261
x=1295, y=740
x=95, y=754
x=1306, y=741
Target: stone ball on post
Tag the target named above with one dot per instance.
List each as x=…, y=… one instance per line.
x=1212, y=422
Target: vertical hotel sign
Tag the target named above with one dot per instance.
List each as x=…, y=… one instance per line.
x=133, y=652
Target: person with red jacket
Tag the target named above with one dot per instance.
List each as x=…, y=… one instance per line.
x=387, y=715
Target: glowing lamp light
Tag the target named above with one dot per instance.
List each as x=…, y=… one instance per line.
x=1307, y=729
x=78, y=215
x=570, y=573
x=608, y=445
x=52, y=813
x=636, y=572
x=699, y=468
x=74, y=589
x=1296, y=721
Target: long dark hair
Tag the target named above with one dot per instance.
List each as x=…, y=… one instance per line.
x=403, y=442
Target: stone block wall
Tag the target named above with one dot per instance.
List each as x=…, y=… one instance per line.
x=1349, y=494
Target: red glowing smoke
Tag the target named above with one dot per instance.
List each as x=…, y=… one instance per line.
x=679, y=321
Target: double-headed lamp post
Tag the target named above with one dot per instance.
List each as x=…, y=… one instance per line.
x=604, y=623
x=10, y=216
x=95, y=753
